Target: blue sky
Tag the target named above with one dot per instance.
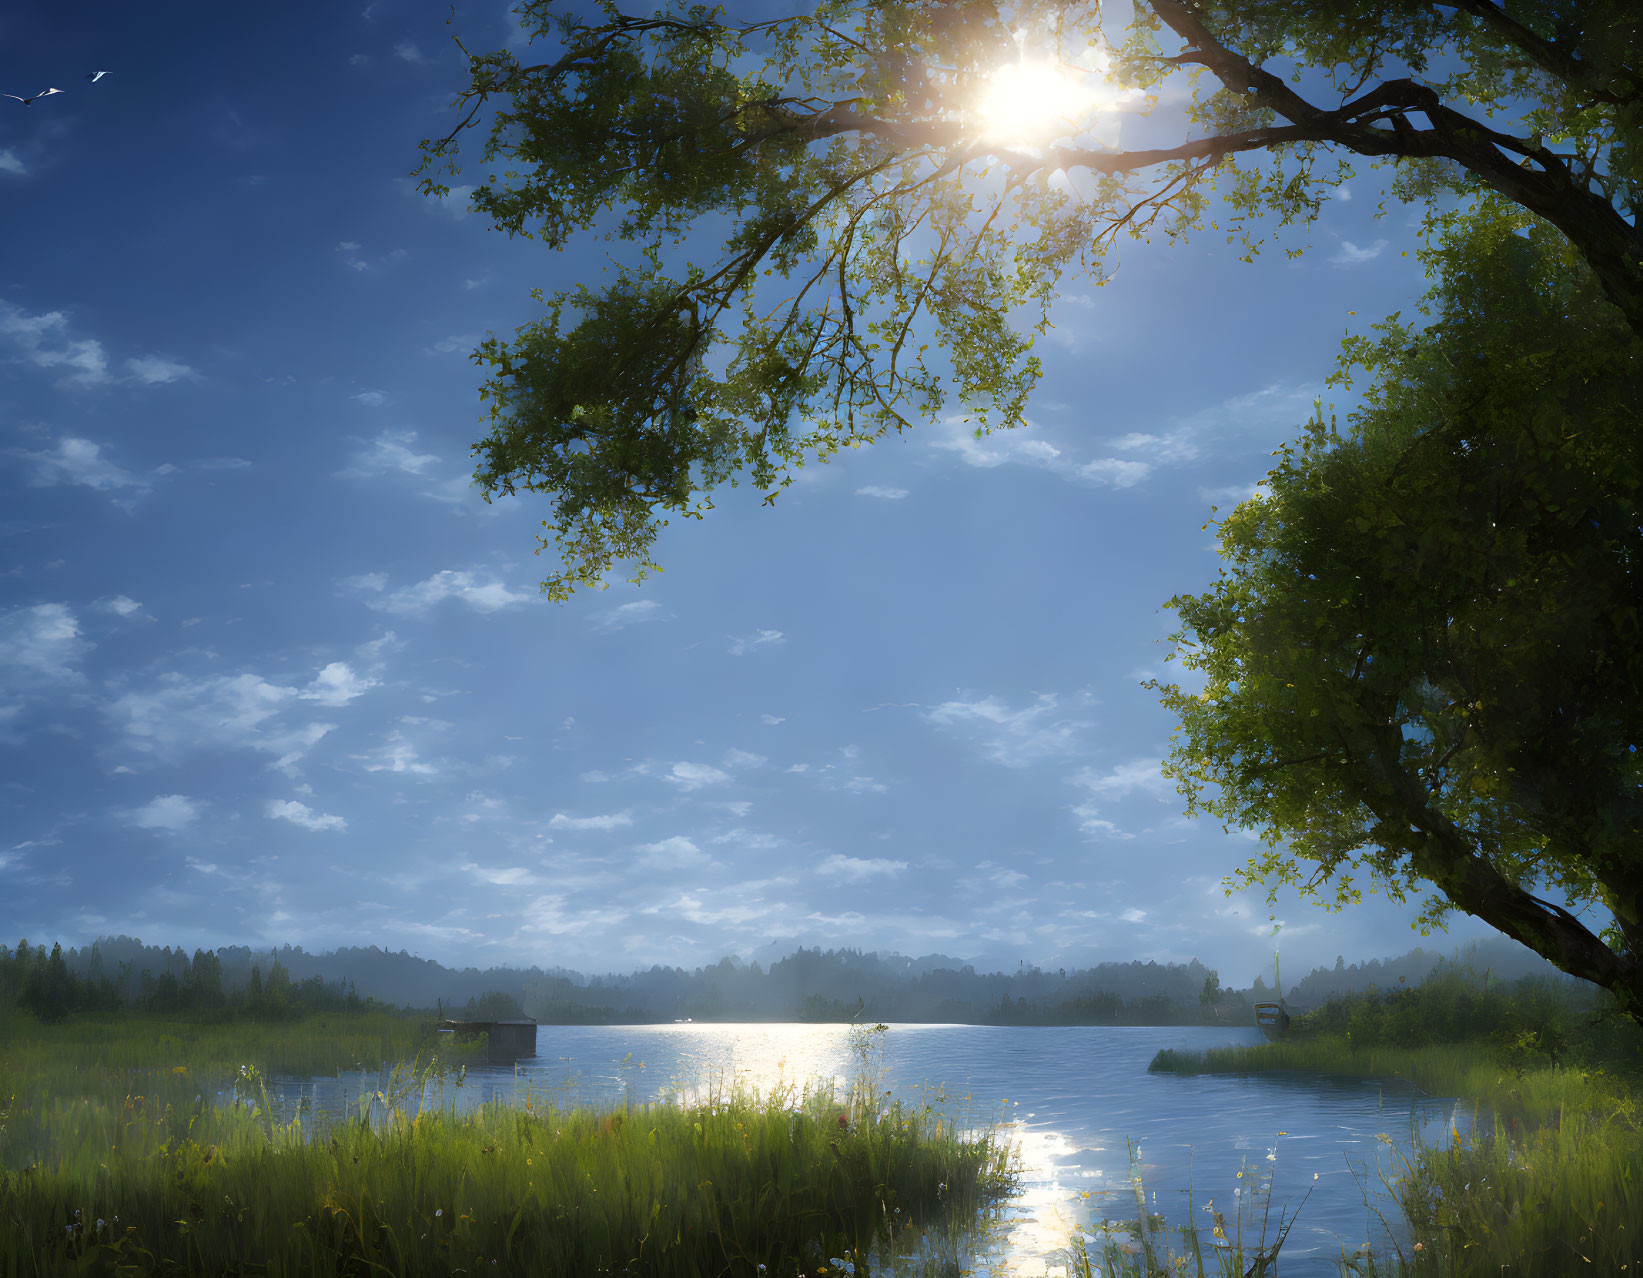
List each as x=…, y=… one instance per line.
x=271, y=672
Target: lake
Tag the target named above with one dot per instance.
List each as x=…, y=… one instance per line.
x=1076, y=1098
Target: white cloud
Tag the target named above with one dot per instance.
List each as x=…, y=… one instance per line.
x=373, y=399
x=1233, y=494
x=994, y=449
x=693, y=776
x=373, y=649
x=627, y=614
x=1133, y=915
x=1003, y=447
x=241, y=712
x=166, y=812
x=43, y=344
x=1125, y=779
x=453, y=204
x=743, y=759
x=43, y=640
x=1092, y=823
x=1116, y=471
x=406, y=51
x=609, y=821
x=455, y=342
x=397, y=754
x=851, y=869
x=753, y=839
x=80, y=461
x=1351, y=255
x=9, y=163
x=550, y=914
x=337, y=685
x=1172, y=448
x=758, y=639
x=481, y=596
x=120, y=606
x=676, y=853
x=153, y=370
x=389, y=452
x=350, y=248
x=884, y=494
x=1014, y=738
x=303, y=815
x=508, y=876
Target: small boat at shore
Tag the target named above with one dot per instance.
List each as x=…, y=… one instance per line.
x=1273, y=1020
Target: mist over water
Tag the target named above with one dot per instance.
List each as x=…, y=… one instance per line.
x=1078, y=1101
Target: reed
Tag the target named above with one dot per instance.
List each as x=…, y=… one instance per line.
x=1550, y=1182
x=731, y=1181
x=1145, y=1246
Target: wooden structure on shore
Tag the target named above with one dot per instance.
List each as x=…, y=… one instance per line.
x=1272, y=1019
x=505, y=1040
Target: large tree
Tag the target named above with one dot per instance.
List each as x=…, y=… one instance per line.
x=1422, y=663
x=845, y=151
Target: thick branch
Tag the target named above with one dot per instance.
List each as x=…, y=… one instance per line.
x=1610, y=244
x=1545, y=54
x=1442, y=853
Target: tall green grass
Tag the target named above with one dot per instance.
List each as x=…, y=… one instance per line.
x=1550, y=1182
x=142, y=1043
x=732, y=1182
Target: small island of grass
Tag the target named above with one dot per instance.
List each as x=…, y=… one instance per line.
x=133, y=1144
x=1548, y=1182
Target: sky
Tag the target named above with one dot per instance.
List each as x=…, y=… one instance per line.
x=272, y=672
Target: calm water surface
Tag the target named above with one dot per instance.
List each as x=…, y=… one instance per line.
x=1077, y=1100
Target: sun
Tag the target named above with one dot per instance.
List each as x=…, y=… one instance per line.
x=1030, y=102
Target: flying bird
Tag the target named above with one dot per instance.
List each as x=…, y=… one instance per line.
x=44, y=93
x=95, y=76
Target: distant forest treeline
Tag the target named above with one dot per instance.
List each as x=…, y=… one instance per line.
x=807, y=985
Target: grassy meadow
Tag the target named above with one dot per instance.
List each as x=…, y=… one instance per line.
x=1550, y=1182
x=116, y=1157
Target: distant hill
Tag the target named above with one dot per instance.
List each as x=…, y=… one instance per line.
x=809, y=984
x=1498, y=957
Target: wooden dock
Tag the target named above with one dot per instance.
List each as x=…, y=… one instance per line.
x=504, y=1040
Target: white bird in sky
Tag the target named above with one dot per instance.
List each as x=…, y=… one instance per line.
x=95, y=76
x=44, y=93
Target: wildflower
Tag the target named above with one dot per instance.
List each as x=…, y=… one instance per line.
x=99, y=1222
x=438, y=1211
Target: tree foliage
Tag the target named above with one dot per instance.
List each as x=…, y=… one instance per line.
x=840, y=152
x=1422, y=660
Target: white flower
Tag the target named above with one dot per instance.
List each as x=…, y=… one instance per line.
x=439, y=1211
